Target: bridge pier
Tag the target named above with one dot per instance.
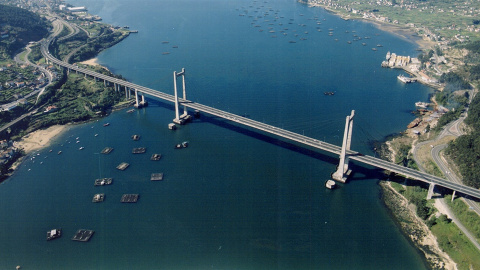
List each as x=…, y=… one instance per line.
x=143, y=103
x=180, y=119
x=453, y=195
x=342, y=172
x=430, y=191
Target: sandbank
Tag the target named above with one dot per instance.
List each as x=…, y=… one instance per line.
x=40, y=138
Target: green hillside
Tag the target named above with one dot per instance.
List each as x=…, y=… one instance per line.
x=18, y=27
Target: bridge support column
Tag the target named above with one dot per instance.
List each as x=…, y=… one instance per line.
x=430, y=191
x=104, y=83
x=342, y=172
x=180, y=119
x=143, y=103
x=185, y=112
x=453, y=195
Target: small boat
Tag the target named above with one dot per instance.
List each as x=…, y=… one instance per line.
x=330, y=184
x=54, y=233
x=59, y=152
x=165, y=53
x=131, y=111
x=181, y=145
x=81, y=148
x=106, y=124
x=329, y=93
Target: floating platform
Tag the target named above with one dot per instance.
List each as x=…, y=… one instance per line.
x=103, y=181
x=107, y=150
x=53, y=234
x=139, y=150
x=156, y=157
x=122, y=166
x=135, y=137
x=129, y=198
x=98, y=197
x=156, y=177
x=83, y=235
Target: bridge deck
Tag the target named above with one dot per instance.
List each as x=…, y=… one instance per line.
x=373, y=161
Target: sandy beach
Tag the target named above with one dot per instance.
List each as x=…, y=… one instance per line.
x=40, y=138
x=91, y=62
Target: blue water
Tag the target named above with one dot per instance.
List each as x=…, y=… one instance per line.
x=235, y=198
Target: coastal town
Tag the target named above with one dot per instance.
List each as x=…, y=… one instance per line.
x=39, y=100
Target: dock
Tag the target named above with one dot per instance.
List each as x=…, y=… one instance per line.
x=103, y=181
x=139, y=150
x=100, y=197
x=156, y=177
x=107, y=150
x=122, y=166
x=129, y=198
x=83, y=235
x=156, y=157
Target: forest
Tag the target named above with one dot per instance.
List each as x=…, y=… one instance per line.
x=465, y=150
x=18, y=27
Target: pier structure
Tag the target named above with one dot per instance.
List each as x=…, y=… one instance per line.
x=344, y=152
x=342, y=172
x=180, y=119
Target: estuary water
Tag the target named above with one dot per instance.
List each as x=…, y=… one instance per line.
x=235, y=198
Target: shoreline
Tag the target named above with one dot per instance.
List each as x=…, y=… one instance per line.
x=413, y=228
x=403, y=32
x=39, y=139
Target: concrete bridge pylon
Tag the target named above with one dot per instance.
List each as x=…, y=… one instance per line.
x=342, y=172
x=180, y=119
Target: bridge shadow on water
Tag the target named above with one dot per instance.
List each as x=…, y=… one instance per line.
x=359, y=171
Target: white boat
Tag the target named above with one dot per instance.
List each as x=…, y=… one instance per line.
x=330, y=184
x=55, y=233
x=422, y=104
x=405, y=79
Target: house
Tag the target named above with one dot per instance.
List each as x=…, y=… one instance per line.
x=51, y=108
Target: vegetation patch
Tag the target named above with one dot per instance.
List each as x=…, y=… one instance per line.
x=455, y=243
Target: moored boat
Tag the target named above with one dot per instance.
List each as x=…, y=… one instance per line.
x=330, y=184
x=54, y=233
x=181, y=145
